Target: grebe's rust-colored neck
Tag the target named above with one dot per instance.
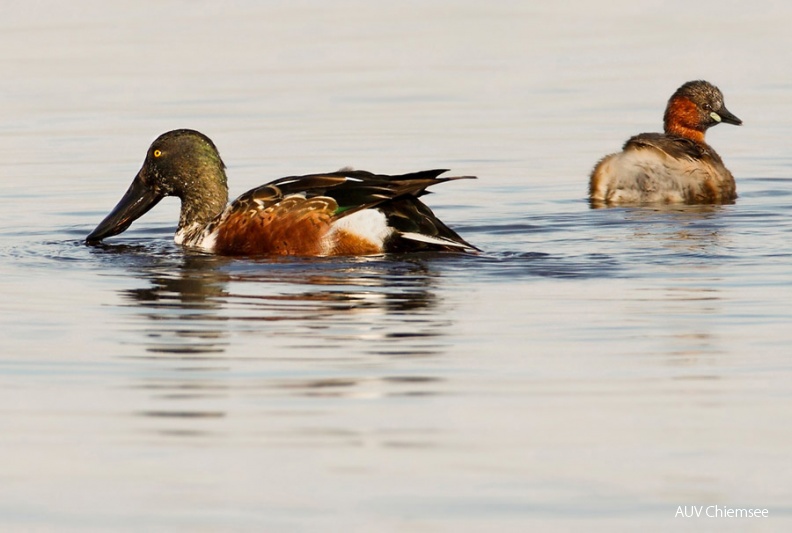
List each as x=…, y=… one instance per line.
x=682, y=118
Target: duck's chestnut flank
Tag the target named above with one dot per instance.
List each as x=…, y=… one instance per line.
x=677, y=166
x=349, y=212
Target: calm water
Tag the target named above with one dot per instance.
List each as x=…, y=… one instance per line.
x=593, y=370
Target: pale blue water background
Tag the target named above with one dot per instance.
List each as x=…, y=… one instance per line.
x=592, y=371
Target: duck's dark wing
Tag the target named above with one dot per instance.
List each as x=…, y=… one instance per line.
x=352, y=190
x=673, y=145
x=417, y=228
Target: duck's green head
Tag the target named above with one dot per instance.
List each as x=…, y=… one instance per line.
x=183, y=163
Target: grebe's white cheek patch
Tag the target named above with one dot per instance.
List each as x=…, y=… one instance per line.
x=716, y=117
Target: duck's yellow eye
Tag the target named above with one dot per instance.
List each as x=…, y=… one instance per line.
x=157, y=153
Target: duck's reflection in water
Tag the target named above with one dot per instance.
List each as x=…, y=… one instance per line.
x=214, y=328
x=197, y=306
x=182, y=303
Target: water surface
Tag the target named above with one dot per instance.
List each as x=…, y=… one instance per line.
x=591, y=370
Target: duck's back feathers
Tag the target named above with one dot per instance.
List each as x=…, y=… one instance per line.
x=352, y=190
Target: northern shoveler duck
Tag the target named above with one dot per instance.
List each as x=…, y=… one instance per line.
x=677, y=166
x=349, y=212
